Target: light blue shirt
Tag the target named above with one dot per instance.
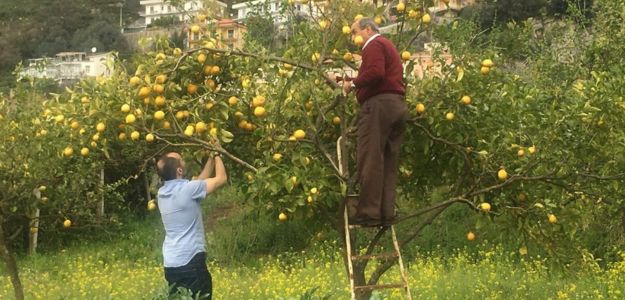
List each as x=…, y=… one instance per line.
x=179, y=204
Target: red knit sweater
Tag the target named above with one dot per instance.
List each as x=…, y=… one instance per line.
x=381, y=71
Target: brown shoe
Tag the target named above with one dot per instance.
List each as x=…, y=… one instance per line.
x=365, y=222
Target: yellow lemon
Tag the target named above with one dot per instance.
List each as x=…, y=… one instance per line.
x=200, y=127
x=67, y=223
x=159, y=101
x=125, y=108
x=134, y=80
x=201, y=58
x=233, y=101
x=151, y=205
x=84, y=151
x=158, y=88
x=400, y=7
x=191, y=88
x=282, y=217
x=159, y=115
x=426, y=19
x=315, y=57
x=348, y=56
x=260, y=111
x=552, y=218
x=258, y=100
x=100, y=127
x=68, y=151
x=502, y=175
x=160, y=79
x=135, y=135
x=144, y=91
x=405, y=55
x=323, y=24
x=299, y=134
x=189, y=130
x=470, y=236
x=420, y=107
x=149, y=137
x=466, y=100
x=485, y=206
x=130, y=118
x=359, y=40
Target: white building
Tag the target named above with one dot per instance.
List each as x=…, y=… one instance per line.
x=67, y=67
x=155, y=9
x=241, y=10
x=449, y=9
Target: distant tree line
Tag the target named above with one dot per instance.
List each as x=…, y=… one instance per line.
x=37, y=28
x=494, y=12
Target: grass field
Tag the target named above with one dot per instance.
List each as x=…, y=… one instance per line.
x=130, y=268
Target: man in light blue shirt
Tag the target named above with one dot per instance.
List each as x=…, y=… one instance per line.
x=184, y=248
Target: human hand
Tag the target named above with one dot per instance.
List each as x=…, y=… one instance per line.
x=347, y=87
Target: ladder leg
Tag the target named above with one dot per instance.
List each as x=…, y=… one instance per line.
x=348, y=247
x=401, y=264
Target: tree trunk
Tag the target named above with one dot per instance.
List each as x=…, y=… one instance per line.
x=11, y=265
x=33, y=233
x=100, y=208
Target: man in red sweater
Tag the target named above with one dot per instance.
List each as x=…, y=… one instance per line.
x=383, y=113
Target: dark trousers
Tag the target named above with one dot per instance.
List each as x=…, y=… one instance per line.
x=381, y=124
x=193, y=276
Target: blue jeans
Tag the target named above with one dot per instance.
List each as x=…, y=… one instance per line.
x=193, y=276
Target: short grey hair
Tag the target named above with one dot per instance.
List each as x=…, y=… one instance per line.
x=368, y=22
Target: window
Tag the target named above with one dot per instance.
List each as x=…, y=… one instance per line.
x=230, y=33
x=87, y=69
x=151, y=9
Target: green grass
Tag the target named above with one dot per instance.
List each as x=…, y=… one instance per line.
x=129, y=267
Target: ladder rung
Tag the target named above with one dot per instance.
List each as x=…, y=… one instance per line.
x=380, y=255
x=380, y=286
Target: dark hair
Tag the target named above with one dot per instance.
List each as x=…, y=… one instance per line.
x=368, y=22
x=167, y=167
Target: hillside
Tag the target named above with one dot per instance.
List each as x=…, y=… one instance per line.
x=35, y=28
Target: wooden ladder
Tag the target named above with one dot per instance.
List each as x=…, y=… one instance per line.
x=348, y=245
x=391, y=255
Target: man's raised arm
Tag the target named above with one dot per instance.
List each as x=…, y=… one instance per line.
x=220, y=178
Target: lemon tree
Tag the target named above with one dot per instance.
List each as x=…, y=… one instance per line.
x=514, y=127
